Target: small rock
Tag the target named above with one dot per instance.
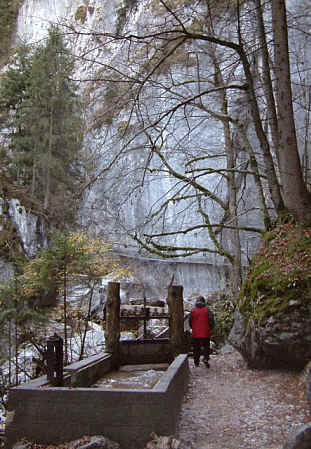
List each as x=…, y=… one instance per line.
x=226, y=349
x=100, y=442
x=299, y=437
x=92, y=442
x=163, y=442
x=21, y=445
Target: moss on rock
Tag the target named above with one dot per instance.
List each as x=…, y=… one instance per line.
x=279, y=277
x=272, y=325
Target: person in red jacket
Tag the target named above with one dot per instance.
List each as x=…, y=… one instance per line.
x=201, y=321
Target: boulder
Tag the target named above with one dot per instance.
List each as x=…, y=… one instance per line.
x=281, y=342
x=272, y=320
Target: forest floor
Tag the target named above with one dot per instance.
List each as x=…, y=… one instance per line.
x=230, y=406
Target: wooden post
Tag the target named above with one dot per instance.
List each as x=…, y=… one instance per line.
x=145, y=317
x=112, y=331
x=54, y=359
x=176, y=310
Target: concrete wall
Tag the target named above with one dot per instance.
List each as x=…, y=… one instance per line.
x=88, y=371
x=198, y=277
x=55, y=415
x=145, y=351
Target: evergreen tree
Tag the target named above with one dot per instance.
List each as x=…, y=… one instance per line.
x=13, y=86
x=56, y=123
x=18, y=315
x=44, y=119
x=8, y=15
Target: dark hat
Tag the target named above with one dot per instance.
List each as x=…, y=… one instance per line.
x=200, y=301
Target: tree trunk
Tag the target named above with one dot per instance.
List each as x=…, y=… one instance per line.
x=33, y=182
x=267, y=81
x=306, y=161
x=257, y=179
x=273, y=183
x=88, y=318
x=236, y=273
x=10, y=351
x=48, y=168
x=296, y=197
x=16, y=353
x=65, y=315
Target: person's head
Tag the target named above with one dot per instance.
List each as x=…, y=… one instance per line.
x=200, y=301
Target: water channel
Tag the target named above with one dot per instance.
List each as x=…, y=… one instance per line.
x=132, y=377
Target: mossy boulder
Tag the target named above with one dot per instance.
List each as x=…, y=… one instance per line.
x=272, y=325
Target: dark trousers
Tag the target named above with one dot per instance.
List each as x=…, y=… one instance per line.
x=201, y=346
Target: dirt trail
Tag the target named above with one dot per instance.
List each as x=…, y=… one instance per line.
x=229, y=406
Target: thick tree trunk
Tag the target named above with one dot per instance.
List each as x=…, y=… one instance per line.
x=273, y=183
x=296, y=197
x=267, y=81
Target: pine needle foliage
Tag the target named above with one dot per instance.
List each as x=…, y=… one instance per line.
x=8, y=15
x=18, y=315
x=42, y=112
x=15, y=306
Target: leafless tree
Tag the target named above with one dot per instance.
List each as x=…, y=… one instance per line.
x=191, y=69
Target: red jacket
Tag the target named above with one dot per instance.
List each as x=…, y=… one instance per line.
x=200, y=323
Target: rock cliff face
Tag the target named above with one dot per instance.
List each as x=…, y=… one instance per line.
x=117, y=201
x=21, y=232
x=204, y=274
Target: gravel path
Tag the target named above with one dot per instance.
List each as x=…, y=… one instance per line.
x=230, y=406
